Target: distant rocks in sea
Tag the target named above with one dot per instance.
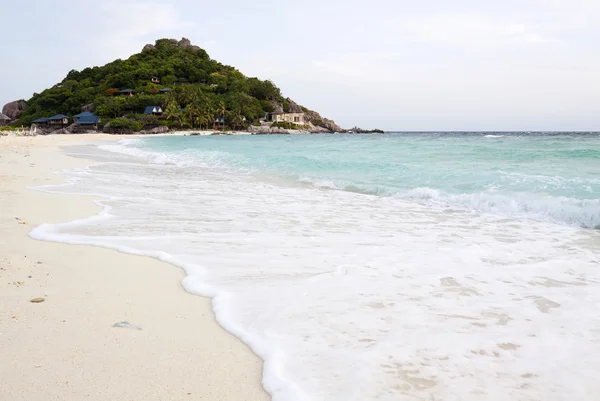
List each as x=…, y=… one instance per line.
x=357, y=130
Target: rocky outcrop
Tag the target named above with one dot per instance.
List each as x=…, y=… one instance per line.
x=357, y=130
x=185, y=43
x=106, y=128
x=315, y=122
x=88, y=108
x=266, y=129
x=294, y=107
x=15, y=109
x=314, y=118
x=157, y=130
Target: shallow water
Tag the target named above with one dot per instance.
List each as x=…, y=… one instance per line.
x=407, y=266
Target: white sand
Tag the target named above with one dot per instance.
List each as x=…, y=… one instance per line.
x=66, y=348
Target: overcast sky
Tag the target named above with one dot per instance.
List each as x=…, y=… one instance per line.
x=392, y=64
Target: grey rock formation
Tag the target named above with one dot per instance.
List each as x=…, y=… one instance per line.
x=185, y=43
x=88, y=108
x=148, y=47
x=294, y=107
x=14, y=109
x=158, y=130
x=106, y=128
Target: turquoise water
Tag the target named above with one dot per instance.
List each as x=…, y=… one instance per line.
x=541, y=176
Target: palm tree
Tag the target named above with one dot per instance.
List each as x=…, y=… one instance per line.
x=209, y=116
x=191, y=113
x=221, y=110
x=172, y=110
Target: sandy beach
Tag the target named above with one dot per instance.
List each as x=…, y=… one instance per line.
x=66, y=347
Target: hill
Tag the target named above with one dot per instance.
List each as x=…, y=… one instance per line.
x=193, y=91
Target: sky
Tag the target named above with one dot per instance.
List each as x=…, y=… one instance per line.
x=390, y=64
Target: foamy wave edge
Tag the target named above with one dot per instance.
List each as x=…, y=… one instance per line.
x=274, y=380
x=556, y=210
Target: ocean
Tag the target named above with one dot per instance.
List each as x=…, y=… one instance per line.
x=404, y=266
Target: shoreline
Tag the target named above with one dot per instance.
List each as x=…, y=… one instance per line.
x=66, y=347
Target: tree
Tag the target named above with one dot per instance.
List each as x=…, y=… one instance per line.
x=172, y=110
x=221, y=109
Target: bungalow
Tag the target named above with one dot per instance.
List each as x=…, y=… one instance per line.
x=219, y=122
x=41, y=121
x=76, y=117
x=87, y=119
x=280, y=116
x=155, y=80
x=59, y=119
x=4, y=119
x=154, y=110
x=127, y=92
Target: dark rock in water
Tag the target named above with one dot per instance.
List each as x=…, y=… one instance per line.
x=357, y=130
x=15, y=109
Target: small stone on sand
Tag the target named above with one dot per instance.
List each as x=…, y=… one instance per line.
x=37, y=300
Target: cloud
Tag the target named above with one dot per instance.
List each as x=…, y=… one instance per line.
x=470, y=29
x=132, y=23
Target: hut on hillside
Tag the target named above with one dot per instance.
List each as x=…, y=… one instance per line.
x=154, y=110
x=58, y=120
x=40, y=121
x=87, y=120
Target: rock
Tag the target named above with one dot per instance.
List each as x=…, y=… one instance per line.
x=158, y=130
x=37, y=300
x=106, y=127
x=88, y=108
x=14, y=109
x=185, y=43
x=195, y=48
x=294, y=107
x=62, y=131
x=357, y=130
x=148, y=47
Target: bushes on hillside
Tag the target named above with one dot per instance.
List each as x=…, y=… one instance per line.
x=124, y=125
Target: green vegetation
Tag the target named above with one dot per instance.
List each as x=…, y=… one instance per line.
x=286, y=125
x=201, y=89
x=124, y=125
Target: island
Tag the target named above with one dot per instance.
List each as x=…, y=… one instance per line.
x=170, y=85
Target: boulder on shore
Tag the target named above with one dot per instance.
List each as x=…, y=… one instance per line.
x=158, y=130
x=15, y=109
